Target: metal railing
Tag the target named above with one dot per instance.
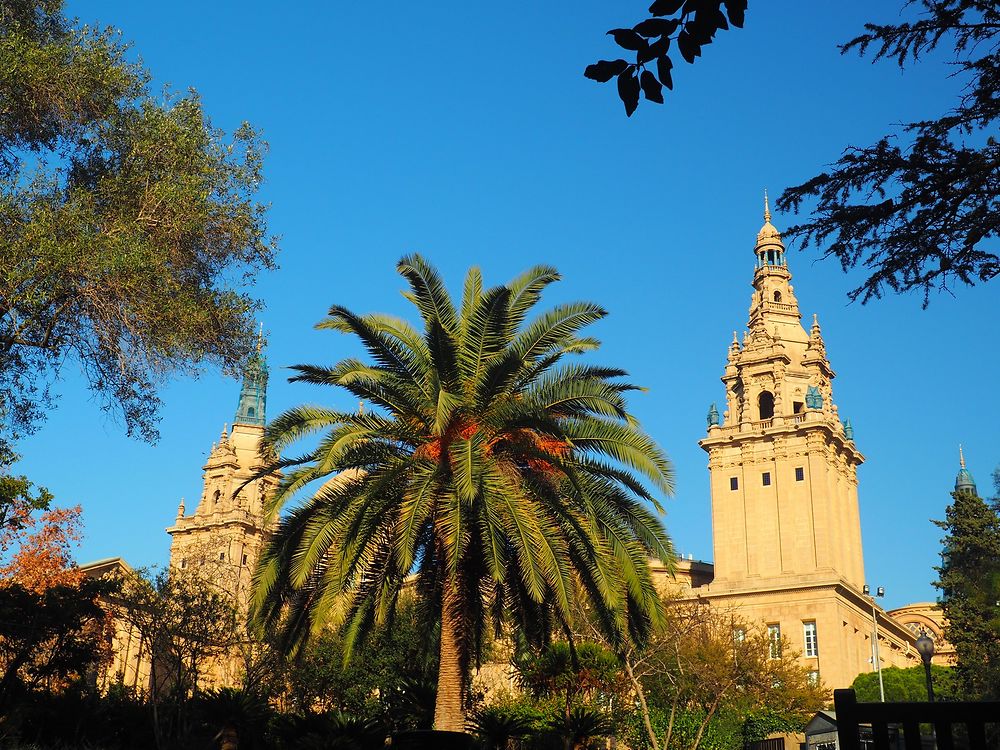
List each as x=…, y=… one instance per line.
x=956, y=725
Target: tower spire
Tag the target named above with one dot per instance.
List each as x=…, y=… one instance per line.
x=964, y=481
x=767, y=209
x=253, y=393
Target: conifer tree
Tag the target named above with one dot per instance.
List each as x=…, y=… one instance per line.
x=969, y=579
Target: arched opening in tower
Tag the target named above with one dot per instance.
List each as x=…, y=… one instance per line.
x=765, y=404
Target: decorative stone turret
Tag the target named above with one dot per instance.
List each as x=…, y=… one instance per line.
x=225, y=534
x=784, y=483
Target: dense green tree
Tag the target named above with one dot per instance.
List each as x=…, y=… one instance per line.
x=128, y=223
x=503, y=475
x=908, y=684
x=919, y=207
x=49, y=638
x=969, y=579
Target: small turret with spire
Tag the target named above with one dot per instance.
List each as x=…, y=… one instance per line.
x=253, y=393
x=964, y=481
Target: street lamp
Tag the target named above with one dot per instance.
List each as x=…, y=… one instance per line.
x=880, y=591
x=925, y=646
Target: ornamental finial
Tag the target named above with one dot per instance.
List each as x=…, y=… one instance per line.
x=961, y=456
x=260, y=338
x=767, y=209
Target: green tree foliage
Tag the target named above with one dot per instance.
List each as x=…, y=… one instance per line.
x=391, y=677
x=919, y=207
x=128, y=224
x=503, y=474
x=584, y=685
x=49, y=638
x=969, y=579
x=908, y=684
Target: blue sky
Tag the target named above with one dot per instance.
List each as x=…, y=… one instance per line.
x=471, y=136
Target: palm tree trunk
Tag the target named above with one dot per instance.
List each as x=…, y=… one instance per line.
x=448, y=712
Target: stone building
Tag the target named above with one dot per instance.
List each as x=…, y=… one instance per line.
x=783, y=478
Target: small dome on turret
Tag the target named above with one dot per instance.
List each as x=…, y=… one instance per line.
x=768, y=233
x=964, y=481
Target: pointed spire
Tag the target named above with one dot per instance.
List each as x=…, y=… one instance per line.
x=180, y=509
x=964, y=481
x=224, y=437
x=253, y=393
x=815, y=334
x=767, y=209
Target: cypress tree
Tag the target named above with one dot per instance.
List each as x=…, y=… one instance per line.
x=969, y=579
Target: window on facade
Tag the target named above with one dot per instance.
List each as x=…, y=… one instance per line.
x=217, y=495
x=184, y=562
x=800, y=474
x=734, y=483
x=765, y=478
x=811, y=644
x=765, y=404
x=777, y=296
x=797, y=407
x=774, y=641
x=813, y=678
x=222, y=555
x=244, y=559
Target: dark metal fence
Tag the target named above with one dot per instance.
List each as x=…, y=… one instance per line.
x=975, y=726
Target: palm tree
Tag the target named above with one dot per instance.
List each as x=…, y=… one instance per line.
x=503, y=476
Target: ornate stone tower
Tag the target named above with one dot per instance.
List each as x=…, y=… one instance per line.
x=783, y=471
x=783, y=466
x=223, y=537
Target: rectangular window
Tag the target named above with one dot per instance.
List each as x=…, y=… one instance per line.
x=774, y=641
x=184, y=562
x=222, y=555
x=797, y=407
x=800, y=474
x=809, y=634
x=244, y=559
x=766, y=478
x=813, y=677
x=734, y=483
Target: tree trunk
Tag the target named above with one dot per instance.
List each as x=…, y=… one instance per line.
x=449, y=714
x=643, y=706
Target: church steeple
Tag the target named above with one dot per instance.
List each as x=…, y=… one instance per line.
x=964, y=481
x=253, y=393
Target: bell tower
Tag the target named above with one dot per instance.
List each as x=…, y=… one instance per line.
x=223, y=537
x=783, y=466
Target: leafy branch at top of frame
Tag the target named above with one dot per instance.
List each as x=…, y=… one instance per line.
x=692, y=24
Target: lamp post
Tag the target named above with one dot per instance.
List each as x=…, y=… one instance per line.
x=879, y=591
x=925, y=646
